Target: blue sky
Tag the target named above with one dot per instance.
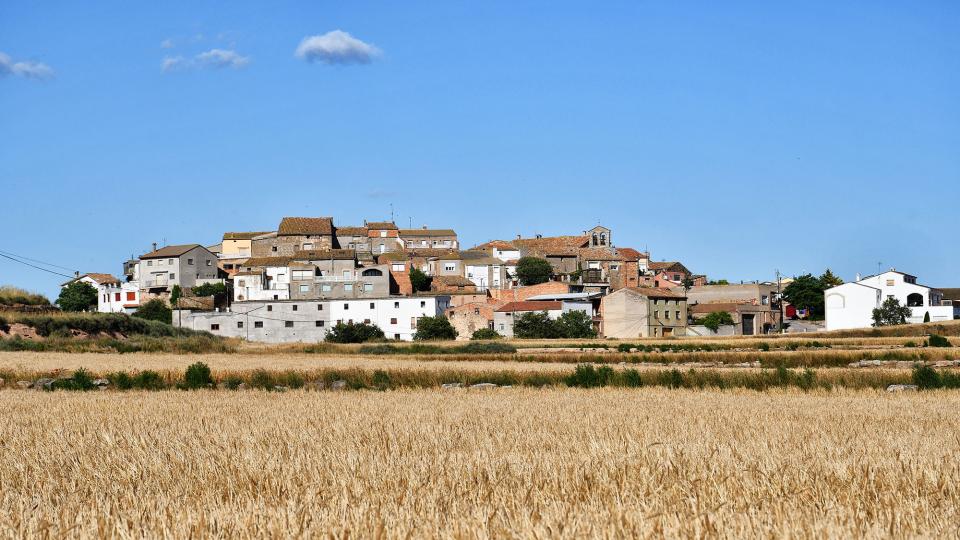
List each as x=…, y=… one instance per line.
x=737, y=137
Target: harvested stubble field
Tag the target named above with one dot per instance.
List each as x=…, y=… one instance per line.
x=505, y=463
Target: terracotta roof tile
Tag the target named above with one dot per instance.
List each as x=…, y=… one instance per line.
x=242, y=235
x=305, y=225
x=319, y=254
x=260, y=262
x=530, y=305
x=427, y=232
x=458, y=281
x=170, y=251
x=381, y=225
x=351, y=231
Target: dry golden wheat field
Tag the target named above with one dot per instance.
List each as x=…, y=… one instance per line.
x=521, y=463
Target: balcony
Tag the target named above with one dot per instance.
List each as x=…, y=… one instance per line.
x=593, y=275
x=335, y=279
x=158, y=282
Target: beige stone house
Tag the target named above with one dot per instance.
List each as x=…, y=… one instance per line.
x=640, y=312
x=295, y=234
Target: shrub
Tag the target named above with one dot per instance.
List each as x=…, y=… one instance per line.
x=155, y=310
x=910, y=344
x=938, y=341
x=672, y=378
x=587, y=376
x=354, y=333
x=209, y=289
x=381, y=380
x=575, y=324
x=262, y=378
x=4, y=326
x=197, y=376
x=485, y=333
x=121, y=380
x=78, y=296
x=926, y=378
x=631, y=377
x=419, y=281
x=535, y=326
x=716, y=319
x=434, y=328
x=148, y=380
x=484, y=348
x=764, y=346
x=81, y=381
x=175, y=293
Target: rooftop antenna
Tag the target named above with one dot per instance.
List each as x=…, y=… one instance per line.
x=879, y=267
x=391, y=212
x=411, y=222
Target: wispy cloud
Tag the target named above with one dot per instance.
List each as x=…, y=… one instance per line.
x=166, y=44
x=26, y=69
x=212, y=59
x=336, y=47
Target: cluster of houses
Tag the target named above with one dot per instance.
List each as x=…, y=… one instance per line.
x=295, y=283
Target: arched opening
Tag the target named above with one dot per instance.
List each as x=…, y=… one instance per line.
x=603, y=239
x=914, y=300
x=595, y=239
x=372, y=272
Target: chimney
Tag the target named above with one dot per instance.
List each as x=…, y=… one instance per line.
x=518, y=237
x=858, y=276
x=154, y=246
x=424, y=227
x=539, y=236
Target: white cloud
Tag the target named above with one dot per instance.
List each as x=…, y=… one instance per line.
x=166, y=44
x=29, y=70
x=336, y=47
x=220, y=58
x=212, y=59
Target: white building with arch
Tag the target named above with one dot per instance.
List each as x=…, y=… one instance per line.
x=851, y=305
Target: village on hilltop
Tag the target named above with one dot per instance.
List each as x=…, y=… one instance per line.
x=295, y=283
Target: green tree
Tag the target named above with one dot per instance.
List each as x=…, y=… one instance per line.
x=485, y=333
x=829, y=279
x=354, y=333
x=806, y=292
x=535, y=325
x=434, y=328
x=533, y=270
x=718, y=282
x=155, y=310
x=175, y=293
x=926, y=317
x=716, y=319
x=78, y=296
x=891, y=313
x=419, y=280
x=575, y=324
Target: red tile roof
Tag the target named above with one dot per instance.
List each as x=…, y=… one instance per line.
x=170, y=251
x=530, y=305
x=290, y=226
x=381, y=226
x=242, y=235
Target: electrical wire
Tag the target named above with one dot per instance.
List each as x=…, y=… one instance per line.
x=35, y=266
x=36, y=261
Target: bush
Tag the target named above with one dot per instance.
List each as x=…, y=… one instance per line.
x=175, y=293
x=716, y=319
x=120, y=380
x=535, y=326
x=78, y=296
x=209, y=289
x=149, y=380
x=575, y=324
x=419, y=281
x=485, y=333
x=197, y=376
x=533, y=270
x=587, y=376
x=155, y=310
x=631, y=377
x=434, y=328
x=381, y=380
x=4, y=326
x=764, y=346
x=81, y=381
x=354, y=333
x=938, y=341
x=484, y=348
x=926, y=378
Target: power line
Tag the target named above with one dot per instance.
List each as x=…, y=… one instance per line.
x=37, y=261
x=35, y=266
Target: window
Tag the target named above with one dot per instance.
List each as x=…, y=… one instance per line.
x=288, y=324
x=273, y=248
x=116, y=297
x=149, y=263
x=614, y=267
x=307, y=245
x=889, y=283
x=170, y=261
x=319, y=307
x=449, y=267
x=209, y=262
x=173, y=276
x=348, y=287
x=372, y=272
x=371, y=305
x=678, y=315
x=239, y=324
x=476, y=311
x=346, y=274
x=131, y=296
x=301, y=274
x=304, y=288
x=764, y=299
x=326, y=288
x=242, y=283
x=396, y=305
x=269, y=308
x=294, y=307
x=423, y=303
x=346, y=307
x=393, y=320
x=276, y=297
x=318, y=324
x=214, y=326
x=676, y=277
x=258, y=324
x=666, y=315
x=383, y=234
x=190, y=262
x=397, y=267
x=396, y=336
x=368, y=287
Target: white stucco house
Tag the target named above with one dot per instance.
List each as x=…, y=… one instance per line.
x=851, y=305
x=113, y=295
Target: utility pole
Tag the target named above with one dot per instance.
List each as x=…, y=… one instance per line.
x=779, y=303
